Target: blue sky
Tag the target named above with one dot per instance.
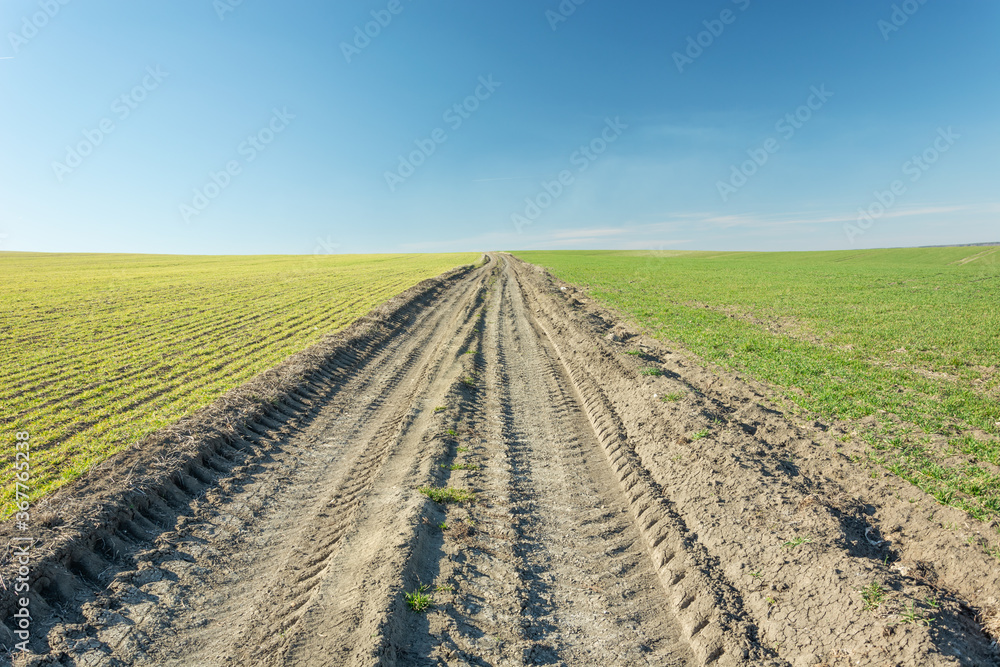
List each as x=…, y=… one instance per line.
x=263, y=127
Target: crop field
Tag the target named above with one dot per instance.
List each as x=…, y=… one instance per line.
x=908, y=338
x=100, y=350
x=498, y=469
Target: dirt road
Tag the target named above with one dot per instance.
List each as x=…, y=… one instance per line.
x=600, y=531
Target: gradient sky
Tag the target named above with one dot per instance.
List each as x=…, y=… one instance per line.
x=917, y=79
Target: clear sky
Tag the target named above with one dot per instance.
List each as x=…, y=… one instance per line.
x=245, y=126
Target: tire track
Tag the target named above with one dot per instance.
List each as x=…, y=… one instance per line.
x=553, y=572
x=708, y=607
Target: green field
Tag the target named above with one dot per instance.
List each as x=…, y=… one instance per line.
x=907, y=333
x=101, y=350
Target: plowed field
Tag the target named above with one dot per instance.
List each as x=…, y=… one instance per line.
x=477, y=474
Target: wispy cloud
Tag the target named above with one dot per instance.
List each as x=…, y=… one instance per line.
x=673, y=229
x=820, y=218
x=588, y=233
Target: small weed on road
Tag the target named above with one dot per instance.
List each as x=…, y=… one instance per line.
x=447, y=495
x=418, y=600
x=791, y=544
x=913, y=615
x=873, y=596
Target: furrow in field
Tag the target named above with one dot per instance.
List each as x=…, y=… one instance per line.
x=181, y=337
x=82, y=426
x=180, y=334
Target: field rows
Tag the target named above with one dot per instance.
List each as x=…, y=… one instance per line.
x=103, y=349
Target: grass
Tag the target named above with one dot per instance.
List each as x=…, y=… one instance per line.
x=649, y=370
x=440, y=408
x=672, y=396
x=101, y=350
x=448, y=494
x=912, y=614
x=873, y=595
x=698, y=435
x=908, y=337
x=419, y=601
x=791, y=544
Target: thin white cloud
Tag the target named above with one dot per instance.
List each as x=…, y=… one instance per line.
x=668, y=232
x=803, y=218
x=589, y=233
